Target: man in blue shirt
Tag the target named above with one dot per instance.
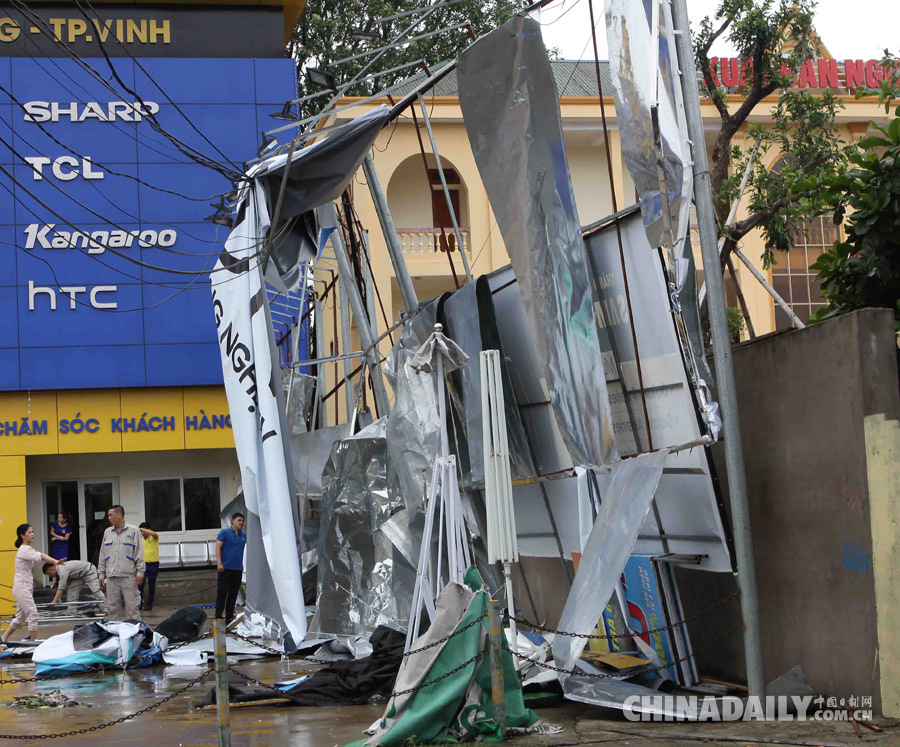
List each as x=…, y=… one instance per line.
x=230, y=564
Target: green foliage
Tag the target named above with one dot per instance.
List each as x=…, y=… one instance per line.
x=803, y=133
x=758, y=30
x=802, y=127
x=323, y=35
x=864, y=269
x=735, y=324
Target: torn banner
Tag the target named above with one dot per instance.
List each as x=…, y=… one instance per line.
x=317, y=174
x=254, y=391
x=508, y=97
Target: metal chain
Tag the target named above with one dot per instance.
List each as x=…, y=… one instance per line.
x=670, y=626
x=617, y=675
x=98, y=727
x=442, y=677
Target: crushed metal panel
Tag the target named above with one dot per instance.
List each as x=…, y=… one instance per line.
x=643, y=67
x=470, y=319
x=625, y=505
x=317, y=175
x=511, y=111
x=355, y=571
x=413, y=427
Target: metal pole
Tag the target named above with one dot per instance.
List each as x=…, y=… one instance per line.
x=223, y=711
x=495, y=641
x=769, y=289
x=366, y=335
x=440, y=170
x=737, y=482
x=321, y=384
x=346, y=348
x=404, y=281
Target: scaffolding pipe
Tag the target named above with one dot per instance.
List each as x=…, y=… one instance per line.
x=366, y=334
x=440, y=170
x=404, y=281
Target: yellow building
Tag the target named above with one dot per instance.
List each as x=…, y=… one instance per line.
x=419, y=208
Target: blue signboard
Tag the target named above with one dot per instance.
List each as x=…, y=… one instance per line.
x=104, y=244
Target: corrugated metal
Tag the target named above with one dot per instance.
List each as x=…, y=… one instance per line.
x=573, y=78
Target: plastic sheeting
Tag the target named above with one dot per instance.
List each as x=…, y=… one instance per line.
x=475, y=332
x=647, y=91
x=509, y=99
x=623, y=510
x=110, y=644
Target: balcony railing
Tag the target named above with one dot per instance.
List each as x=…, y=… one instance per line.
x=422, y=242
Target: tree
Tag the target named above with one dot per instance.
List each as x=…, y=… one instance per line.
x=329, y=30
x=774, y=39
x=864, y=269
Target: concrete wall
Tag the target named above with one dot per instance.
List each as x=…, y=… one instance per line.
x=819, y=410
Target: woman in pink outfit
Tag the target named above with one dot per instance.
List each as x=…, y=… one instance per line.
x=23, y=583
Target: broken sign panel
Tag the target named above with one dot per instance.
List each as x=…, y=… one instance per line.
x=508, y=97
x=688, y=503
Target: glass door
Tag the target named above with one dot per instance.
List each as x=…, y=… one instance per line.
x=62, y=498
x=96, y=497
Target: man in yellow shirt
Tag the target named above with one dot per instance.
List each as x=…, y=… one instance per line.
x=151, y=558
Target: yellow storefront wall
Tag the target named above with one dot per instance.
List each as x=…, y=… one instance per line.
x=96, y=421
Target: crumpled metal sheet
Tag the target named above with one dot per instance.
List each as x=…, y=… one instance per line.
x=310, y=453
x=511, y=110
x=645, y=76
x=438, y=345
x=355, y=558
x=413, y=428
x=469, y=316
x=622, y=512
x=298, y=396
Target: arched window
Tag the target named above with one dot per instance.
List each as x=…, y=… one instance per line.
x=791, y=276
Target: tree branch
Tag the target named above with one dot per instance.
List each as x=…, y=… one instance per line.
x=742, y=227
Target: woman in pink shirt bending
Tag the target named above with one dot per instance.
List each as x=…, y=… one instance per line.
x=23, y=583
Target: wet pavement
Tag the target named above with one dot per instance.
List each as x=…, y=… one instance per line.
x=104, y=697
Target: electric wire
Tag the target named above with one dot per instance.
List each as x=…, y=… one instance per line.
x=151, y=118
x=179, y=226
x=105, y=219
x=138, y=64
x=105, y=167
x=105, y=247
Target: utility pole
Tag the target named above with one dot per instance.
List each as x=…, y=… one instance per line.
x=404, y=281
x=727, y=391
x=367, y=335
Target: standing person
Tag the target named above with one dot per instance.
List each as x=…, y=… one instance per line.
x=60, y=532
x=23, y=584
x=230, y=564
x=121, y=566
x=71, y=577
x=151, y=561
